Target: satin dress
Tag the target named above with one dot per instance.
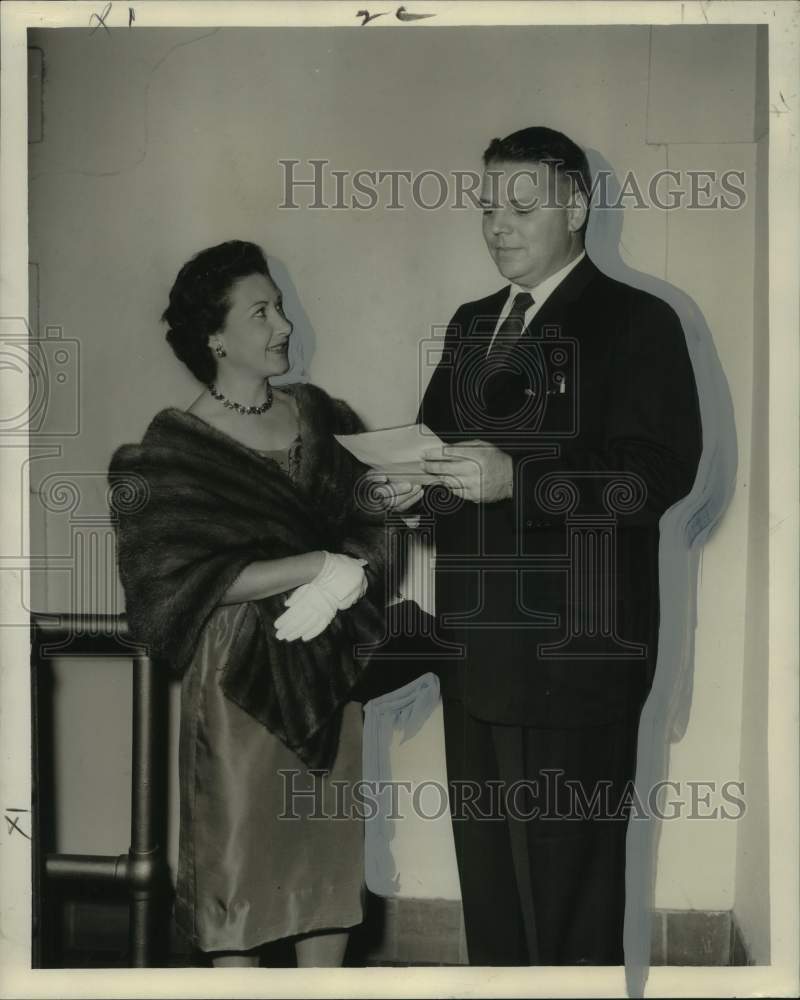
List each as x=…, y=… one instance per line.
x=267, y=849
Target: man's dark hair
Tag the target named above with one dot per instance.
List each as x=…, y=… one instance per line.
x=199, y=301
x=539, y=144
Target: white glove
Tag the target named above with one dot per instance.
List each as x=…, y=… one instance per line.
x=310, y=614
x=342, y=579
x=312, y=607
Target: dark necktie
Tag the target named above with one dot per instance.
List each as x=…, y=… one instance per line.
x=508, y=368
x=511, y=328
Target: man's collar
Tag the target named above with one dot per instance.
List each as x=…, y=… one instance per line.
x=545, y=288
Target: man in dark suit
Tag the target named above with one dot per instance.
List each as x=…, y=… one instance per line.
x=569, y=408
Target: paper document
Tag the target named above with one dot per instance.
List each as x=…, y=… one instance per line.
x=396, y=451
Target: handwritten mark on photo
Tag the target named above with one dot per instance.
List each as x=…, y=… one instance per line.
x=401, y=14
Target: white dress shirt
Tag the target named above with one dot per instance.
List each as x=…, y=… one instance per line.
x=540, y=293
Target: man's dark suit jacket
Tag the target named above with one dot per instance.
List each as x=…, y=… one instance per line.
x=628, y=406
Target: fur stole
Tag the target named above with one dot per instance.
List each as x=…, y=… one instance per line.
x=192, y=507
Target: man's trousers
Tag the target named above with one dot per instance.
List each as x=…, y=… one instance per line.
x=536, y=891
x=542, y=880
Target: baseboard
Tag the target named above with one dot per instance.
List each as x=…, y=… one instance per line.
x=697, y=937
x=421, y=931
x=418, y=932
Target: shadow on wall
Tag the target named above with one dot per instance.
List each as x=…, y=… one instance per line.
x=685, y=528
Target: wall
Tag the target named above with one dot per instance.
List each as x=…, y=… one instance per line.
x=158, y=144
x=710, y=255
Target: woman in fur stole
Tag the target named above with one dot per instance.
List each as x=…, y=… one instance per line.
x=221, y=512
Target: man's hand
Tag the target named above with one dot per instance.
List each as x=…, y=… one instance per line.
x=474, y=470
x=396, y=495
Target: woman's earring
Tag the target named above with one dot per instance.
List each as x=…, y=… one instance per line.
x=220, y=351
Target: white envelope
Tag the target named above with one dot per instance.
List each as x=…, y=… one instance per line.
x=396, y=451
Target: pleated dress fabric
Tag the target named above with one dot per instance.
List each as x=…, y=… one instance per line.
x=267, y=850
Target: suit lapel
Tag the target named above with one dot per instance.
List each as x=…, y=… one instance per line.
x=470, y=344
x=570, y=289
x=472, y=321
x=486, y=314
x=506, y=387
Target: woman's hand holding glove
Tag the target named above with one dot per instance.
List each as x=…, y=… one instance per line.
x=312, y=607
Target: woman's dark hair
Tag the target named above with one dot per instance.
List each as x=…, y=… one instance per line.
x=544, y=145
x=199, y=302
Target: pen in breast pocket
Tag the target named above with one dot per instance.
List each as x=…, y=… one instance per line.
x=562, y=388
